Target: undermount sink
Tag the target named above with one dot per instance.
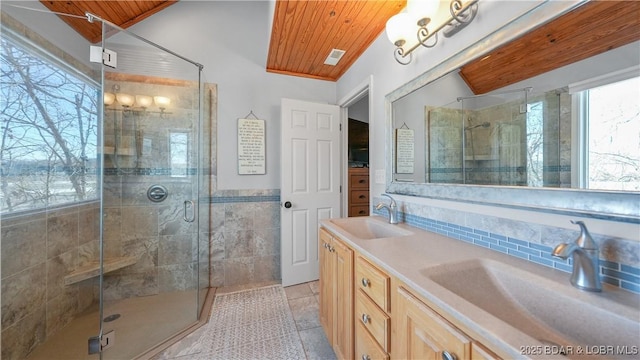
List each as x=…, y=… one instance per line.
x=536, y=306
x=368, y=228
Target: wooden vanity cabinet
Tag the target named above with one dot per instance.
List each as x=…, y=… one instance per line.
x=336, y=293
x=368, y=314
x=422, y=333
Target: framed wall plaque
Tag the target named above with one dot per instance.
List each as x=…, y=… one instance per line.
x=404, y=151
x=251, y=147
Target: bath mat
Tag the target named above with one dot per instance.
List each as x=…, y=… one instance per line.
x=251, y=324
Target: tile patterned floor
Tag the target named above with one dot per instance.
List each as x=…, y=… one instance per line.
x=303, y=302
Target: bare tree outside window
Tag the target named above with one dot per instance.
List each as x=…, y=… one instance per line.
x=48, y=132
x=535, y=144
x=614, y=136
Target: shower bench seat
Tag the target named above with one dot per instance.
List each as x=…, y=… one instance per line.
x=92, y=269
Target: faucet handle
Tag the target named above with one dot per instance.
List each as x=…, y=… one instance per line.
x=393, y=201
x=585, y=240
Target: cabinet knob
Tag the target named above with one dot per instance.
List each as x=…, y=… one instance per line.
x=332, y=249
x=365, y=282
x=362, y=181
x=366, y=357
x=366, y=318
x=362, y=197
x=448, y=356
x=325, y=245
x=362, y=212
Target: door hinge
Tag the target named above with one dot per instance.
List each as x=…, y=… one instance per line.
x=105, y=56
x=98, y=344
x=340, y=127
x=340, y=189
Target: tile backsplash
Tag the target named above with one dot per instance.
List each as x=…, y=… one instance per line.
x=619, y=258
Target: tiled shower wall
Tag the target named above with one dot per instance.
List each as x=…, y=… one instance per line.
x=245, y=242
x=38, y=250
x=166, y=246
x=620, y=258
x=488, y=155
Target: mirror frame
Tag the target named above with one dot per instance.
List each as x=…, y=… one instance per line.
x=608, y=205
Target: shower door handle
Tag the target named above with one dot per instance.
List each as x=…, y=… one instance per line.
x=189, y=204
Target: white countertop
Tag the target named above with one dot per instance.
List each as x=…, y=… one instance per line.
x=410, y=257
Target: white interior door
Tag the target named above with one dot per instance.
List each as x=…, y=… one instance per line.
x=309, y=183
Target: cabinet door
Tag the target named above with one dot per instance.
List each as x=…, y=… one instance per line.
x=423, y=334
x=343, y=307
x=326, y=284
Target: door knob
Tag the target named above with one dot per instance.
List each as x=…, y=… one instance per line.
x=287, y=204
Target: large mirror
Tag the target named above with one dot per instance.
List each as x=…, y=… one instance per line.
x=564, y=140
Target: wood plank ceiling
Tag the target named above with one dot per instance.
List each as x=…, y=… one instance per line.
x=305, y=32
x=591, y=29
x=121, y=13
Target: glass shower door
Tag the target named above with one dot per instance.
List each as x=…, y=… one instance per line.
x=150, y=202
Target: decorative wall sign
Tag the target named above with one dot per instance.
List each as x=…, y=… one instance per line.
x=404, y=151
x=251, y=147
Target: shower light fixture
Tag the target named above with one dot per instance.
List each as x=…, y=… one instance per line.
x=162, y=102
x=417, y=25
x=109, y=98
x=125, y=100
x=144, y=101
x=141, y=102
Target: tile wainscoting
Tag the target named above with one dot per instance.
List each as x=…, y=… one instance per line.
x=245, y=237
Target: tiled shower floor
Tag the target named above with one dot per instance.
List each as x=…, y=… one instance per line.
x=143, y=321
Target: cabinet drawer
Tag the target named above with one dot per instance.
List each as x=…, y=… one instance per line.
x=479, y=352
x=359, y=196
x=366, y=346
x=359, y=181
x=359, y=210
x=373, y=319
x=373, y=282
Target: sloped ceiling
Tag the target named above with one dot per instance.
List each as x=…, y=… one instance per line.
x=121, y=13
x=305, y=32
x=591, y=29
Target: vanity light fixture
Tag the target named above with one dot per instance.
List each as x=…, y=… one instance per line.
x=421, y=14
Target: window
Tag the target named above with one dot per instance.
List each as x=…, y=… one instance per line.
x=179, y=153
x=535, y=144
x=48, y=130
x=611, y=144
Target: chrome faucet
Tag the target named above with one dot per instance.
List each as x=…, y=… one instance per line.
x=392, y=208
x=586, y=264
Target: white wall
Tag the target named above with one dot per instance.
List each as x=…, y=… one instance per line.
x=360, y=110
x=49, y=26
x=231, y=40
x=388, y=75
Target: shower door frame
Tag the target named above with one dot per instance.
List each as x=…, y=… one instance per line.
x=194, y=201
